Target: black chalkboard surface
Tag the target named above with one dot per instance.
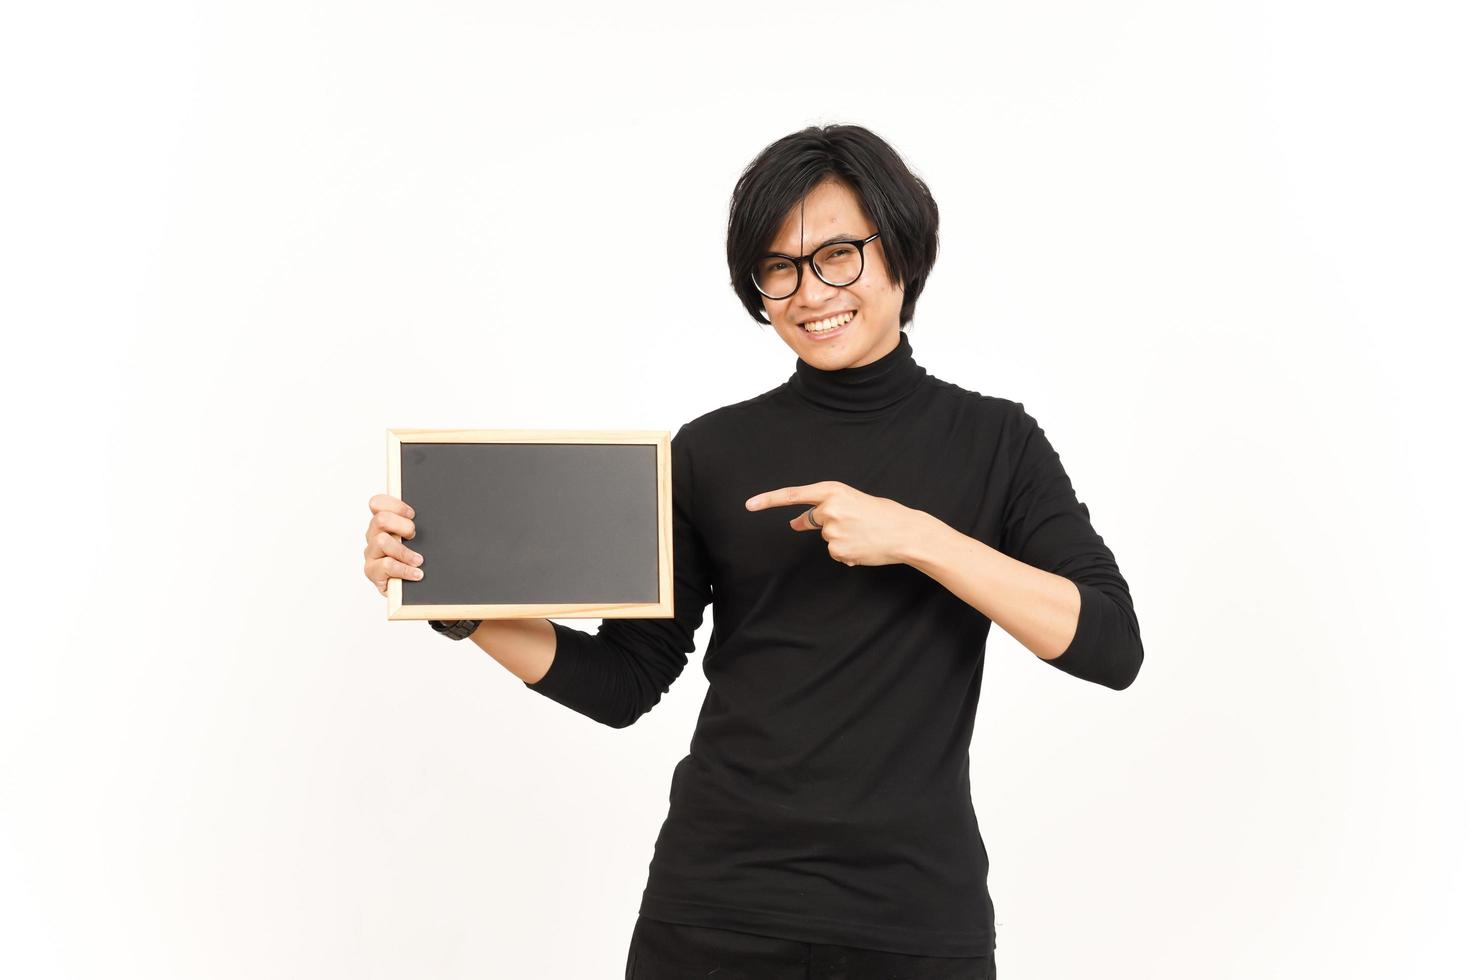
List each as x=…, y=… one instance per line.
x=545, y=523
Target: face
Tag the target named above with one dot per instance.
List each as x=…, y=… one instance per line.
x=832, y=210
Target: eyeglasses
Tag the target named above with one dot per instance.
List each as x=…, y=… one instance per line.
x=778, y=276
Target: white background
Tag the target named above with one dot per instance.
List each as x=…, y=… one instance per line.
x=1218, y=249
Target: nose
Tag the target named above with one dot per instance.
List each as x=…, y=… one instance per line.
x=813, y=292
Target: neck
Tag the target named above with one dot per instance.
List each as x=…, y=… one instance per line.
x=867, y=388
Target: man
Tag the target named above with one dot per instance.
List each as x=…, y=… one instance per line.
x=857, y=528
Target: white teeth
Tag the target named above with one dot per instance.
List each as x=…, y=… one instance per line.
x=831, y=323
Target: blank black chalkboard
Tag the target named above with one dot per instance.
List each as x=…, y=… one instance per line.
x=521, y=523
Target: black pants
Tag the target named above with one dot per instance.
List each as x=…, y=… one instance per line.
x=665, y=951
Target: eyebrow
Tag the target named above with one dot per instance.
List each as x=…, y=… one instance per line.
x=844, y=237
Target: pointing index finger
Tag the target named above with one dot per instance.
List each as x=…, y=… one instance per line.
x=811, y=493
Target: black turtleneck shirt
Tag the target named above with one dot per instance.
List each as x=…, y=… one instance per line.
x=826, y=795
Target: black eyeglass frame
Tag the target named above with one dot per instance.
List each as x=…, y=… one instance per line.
x=810, y=259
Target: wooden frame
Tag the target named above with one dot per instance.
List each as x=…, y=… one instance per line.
x=662, y=609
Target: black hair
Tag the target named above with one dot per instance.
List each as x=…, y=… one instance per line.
x=893, y=197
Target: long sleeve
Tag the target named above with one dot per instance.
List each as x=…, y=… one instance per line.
x=1046, y=526
x=617, y=674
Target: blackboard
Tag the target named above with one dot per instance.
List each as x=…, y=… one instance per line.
x=544, y=523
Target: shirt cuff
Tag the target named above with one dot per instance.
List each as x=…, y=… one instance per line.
x=1078, y=659
x=562, y=675
x=1103, y=650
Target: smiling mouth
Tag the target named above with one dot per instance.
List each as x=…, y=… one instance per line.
x=830, y=323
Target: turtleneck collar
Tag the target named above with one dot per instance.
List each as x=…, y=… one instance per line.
x=868, y=388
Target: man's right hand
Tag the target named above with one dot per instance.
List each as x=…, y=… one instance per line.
x=386, y=556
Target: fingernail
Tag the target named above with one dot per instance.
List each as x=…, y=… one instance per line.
x=418, y=573
x=418, y=559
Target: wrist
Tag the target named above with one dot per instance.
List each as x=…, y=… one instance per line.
x=455, y=629
x=924, y=539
